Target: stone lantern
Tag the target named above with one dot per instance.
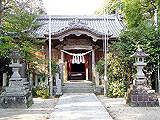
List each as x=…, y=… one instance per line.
x=15, y=56
x=18, y=93
x=139, y=56
x=140, y=93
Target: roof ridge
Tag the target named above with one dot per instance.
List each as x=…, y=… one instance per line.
x=44, y=17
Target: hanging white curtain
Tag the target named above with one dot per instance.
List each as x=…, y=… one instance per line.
x=77, y=57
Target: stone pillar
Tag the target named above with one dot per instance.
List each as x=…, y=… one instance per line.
x=97, y=78
x=62, y=60
x=93, y=67
x=31, y=79
x=46, y=80
x=4, y=79
x=58, y=85
x=36, y=80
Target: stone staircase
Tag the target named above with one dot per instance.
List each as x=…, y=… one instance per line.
x=77, y=87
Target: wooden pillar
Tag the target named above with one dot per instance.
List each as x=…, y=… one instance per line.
x=62, y=60
x=93, y=67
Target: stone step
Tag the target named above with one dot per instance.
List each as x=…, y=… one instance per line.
x=77, y=88
x=66, y=86
x=80, y=90
x=77, y=85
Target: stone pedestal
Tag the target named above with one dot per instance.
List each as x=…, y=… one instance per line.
x=141, y=96
x=17, y=95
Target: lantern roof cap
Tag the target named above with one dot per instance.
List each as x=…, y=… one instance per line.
x=139, y=53
x=15, y=54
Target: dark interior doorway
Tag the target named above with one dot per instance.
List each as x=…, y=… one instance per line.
x=77, y=72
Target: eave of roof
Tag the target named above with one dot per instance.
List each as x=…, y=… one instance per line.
x=92, y=23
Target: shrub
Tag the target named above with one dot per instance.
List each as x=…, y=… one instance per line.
x=118, y=75
x=42, y=90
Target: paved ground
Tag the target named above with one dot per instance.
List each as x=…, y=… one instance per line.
x=120, y=111
x=40, y=110
x=79, y=106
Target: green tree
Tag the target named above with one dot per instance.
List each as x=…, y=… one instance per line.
x=146, y=36
x=138, y=16
x=18, y=25
x=111, y=5
x=134, y=12
x=32, y=6
x=118, y=75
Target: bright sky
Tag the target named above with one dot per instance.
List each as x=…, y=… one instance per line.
x=72, y=7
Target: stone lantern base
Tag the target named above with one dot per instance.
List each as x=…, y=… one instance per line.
x=141, y=96
x=17, y=95
x=19, y=101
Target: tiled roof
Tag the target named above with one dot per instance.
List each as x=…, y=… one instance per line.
x=92, y=23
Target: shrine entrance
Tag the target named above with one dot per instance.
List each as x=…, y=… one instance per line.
x=77, y=72
x=77, y=65
x=77, y=51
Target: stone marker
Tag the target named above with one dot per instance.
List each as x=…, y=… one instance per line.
x=140, y=94
x=36, y=80
x=97, y=78
x=31, y=79
x=4, y=79
x=17, y=94
x=46, y=80
x=58, y=85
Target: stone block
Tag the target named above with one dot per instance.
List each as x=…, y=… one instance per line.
x=151, y=98
x=142, y=104
x=149, y=104
x=155, y=103
x=134, y=98
x=145, y=97
x=133, y=104
x=140, y=97
x=21, y=101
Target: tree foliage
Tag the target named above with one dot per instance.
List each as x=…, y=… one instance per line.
x=139, y=18
x=146, y=36
x=117, y=74
x=31, y=6
x=17, y=25
x=133, y=11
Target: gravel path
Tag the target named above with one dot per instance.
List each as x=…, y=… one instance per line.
x=79, y=106
x=40, y=110
x=120, y=111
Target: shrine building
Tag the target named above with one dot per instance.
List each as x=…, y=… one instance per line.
x=78, y=42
